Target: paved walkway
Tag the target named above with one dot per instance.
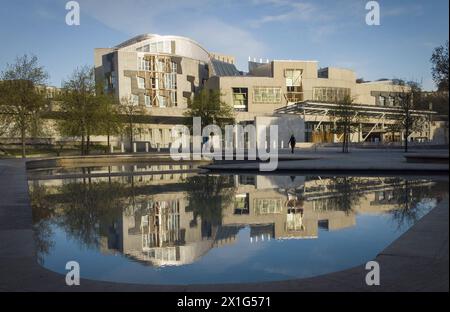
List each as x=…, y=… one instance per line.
x=417, y=261
x=332, y=159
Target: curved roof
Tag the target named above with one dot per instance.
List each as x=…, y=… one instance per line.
x=190, y=48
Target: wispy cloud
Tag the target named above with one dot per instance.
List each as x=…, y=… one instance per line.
x=415, y=10
x=186, y=18
x=299, y=11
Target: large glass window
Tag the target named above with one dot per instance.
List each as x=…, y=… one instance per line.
x=240, y=99
x=330, y=95
x=156, y=47
x=267, y=95
x=293, y=77
x=267, y=206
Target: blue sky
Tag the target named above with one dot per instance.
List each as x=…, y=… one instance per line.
x=332, y=32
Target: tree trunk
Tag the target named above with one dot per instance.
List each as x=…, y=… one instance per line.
x=22, y=138
x=131, y=136
x=108, y=140
x=82, y=144
x=88, y=143
x=406, y=140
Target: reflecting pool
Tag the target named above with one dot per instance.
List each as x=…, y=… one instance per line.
x=176, y=226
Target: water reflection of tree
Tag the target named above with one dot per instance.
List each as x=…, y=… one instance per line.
x=346, y=193
x=89, y=209
x=42, y=209
x=408, y=195
x=208, y=195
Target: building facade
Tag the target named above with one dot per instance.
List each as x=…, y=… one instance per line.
x=161, y=73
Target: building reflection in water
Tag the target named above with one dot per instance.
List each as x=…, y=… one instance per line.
x=175, y=218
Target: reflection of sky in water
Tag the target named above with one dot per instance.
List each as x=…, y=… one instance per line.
x=246, y=259
x=242, y=261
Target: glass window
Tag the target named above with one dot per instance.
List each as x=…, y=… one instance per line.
x=143, y=64
x=160, y=46
x=141, y=82
x=174, y=67
x=171, y=81
x=167, y=47
x=162, y=101
x=267, y=95
x=293, y=77
x=148, y=101
x=153, y=47
x=390, y=101
x=173, y=98
x=240, y=99
x=135, y=99
x=331, y=95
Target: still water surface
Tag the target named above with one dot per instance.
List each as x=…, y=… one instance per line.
x=184, y=228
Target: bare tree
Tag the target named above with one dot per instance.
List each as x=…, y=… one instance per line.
x=346, y=121
x=409, y=121
x=131, y=109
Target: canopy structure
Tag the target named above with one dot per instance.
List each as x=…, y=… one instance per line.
x=370, y=111
x=370, y=116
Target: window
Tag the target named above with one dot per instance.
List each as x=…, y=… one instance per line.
x=155, y=84
x=330, y=95
x=135, y=99
x=152, y=47
x=240, y=99
x=141, y=82
x=148, y=101
x=173, y=98
x=241, y=204
x=382, y=100
x=143, y=64
x=267, y=206
x=390, y=100
x=293, y=77
x=171, y=81
x=160, y=66
x=162, y=100
x=267, y=95
x=174, y=67
x=156, y=47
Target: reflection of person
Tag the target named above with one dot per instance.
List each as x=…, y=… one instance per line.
x=292, y=142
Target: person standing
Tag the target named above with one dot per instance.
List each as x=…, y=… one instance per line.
x=292, y=142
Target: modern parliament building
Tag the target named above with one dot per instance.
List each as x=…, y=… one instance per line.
x=162, y=73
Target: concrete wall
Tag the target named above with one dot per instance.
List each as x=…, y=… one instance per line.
x=287, y=125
